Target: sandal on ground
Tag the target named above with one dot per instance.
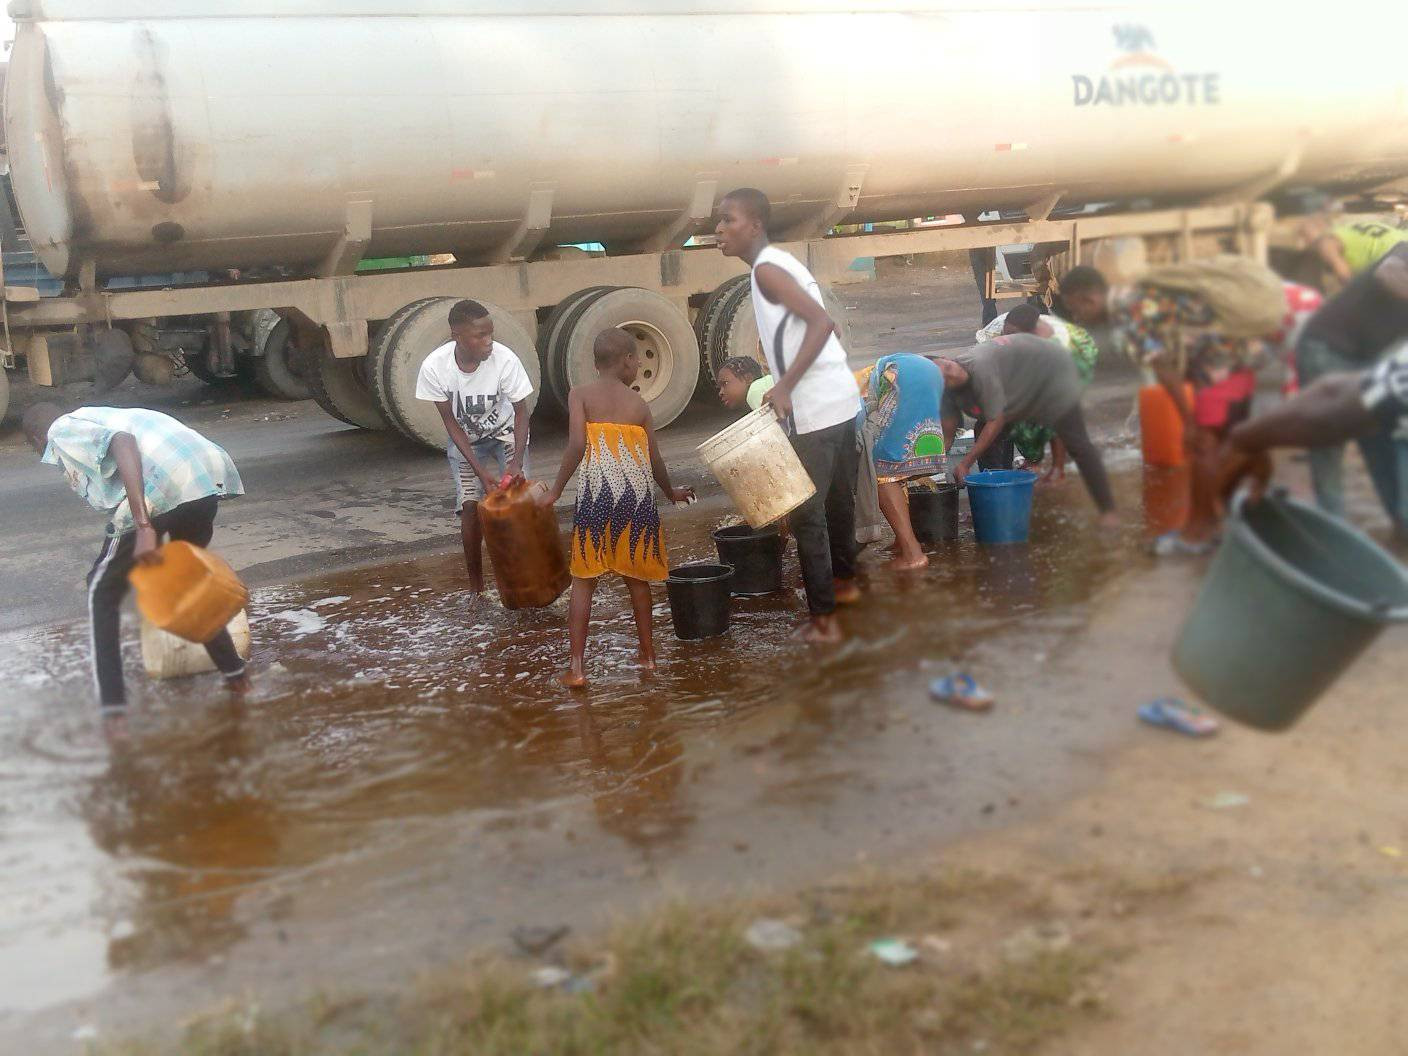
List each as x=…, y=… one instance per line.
x=1174, y=714
x=961, y=691
x=1173, y=544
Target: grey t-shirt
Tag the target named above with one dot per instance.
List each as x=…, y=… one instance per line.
x=1021, y=376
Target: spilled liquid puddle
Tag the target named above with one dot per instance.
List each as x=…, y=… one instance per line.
x=387, y=702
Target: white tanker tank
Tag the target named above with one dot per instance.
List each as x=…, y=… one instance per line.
x=176, y=134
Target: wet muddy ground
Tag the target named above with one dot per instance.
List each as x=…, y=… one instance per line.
x=408, y=779
x=408, y=782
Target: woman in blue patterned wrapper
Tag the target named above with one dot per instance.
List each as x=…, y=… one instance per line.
x=902, y=394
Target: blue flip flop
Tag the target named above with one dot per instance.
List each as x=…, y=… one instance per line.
x=1174, y=714
x=961, y=691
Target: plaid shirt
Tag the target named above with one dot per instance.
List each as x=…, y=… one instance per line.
x=178, y=464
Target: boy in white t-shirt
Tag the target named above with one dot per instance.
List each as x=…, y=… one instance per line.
x=481, y=391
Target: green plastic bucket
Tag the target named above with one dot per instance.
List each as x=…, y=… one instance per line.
x=1292, y=597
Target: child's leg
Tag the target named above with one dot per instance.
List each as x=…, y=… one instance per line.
x=894, y=504
x=471, y=537
x=640, y=607
x=579, y=614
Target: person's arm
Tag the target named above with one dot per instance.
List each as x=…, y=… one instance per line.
x=950, y=420
x=781, y=288
x=1331, y=253
x=1329, y=412
x=1392, y=274
x=520, y=439
x=659, y=469
x=460, y=439
x=992, y=429
x=576, y=448
x=128, y=457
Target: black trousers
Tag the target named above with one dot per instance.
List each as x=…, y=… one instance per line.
x=825, y=525
x=191, y=522
x=1070, y=428
x=1001, y=454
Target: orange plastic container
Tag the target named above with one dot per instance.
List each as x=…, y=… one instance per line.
x=1161, y=426
x=190, y=592
x=525, y=547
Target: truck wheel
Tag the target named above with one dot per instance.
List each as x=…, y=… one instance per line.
x=339, y=386
x=282, y=369
x=735, y=333
x=553, y=335
x=706, y=328
x=669, y=351
x=411, y=335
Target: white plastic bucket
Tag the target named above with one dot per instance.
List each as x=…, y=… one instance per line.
x=166, y=656
x=756, y=465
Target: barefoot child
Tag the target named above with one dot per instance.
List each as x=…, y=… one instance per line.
x=615, y=527
x=481, y=391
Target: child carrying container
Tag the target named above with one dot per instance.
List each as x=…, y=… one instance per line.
x=615, y=526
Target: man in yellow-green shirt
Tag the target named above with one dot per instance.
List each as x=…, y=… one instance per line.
x=1352, y=248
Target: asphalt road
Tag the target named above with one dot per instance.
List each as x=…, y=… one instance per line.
x=321, y=494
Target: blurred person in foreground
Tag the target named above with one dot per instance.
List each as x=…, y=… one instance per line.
x=1351, y=332
x=1338, y=407
x=155, y=478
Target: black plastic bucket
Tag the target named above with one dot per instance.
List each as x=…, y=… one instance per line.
x=755, y=554
x=699, y=600
x=934, y=513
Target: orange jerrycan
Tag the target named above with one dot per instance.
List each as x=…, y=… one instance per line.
x=1161, y=426
x=525, y=547
x=190, y=592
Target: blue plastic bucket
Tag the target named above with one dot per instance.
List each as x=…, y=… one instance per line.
x=1001, y=501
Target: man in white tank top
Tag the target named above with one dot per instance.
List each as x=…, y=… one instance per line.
x=817, y=397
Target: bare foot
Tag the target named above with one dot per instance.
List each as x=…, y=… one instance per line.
x=646, y=661
x=239, y=685
x=847, y=593
x=573, y=679
x=902, y=563
x=115, y=727
x=819, y=630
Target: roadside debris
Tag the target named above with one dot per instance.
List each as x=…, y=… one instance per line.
x=895, y=952
x=537, y=940
x=771, y=936
x=1170, y=713
x=1225, y=801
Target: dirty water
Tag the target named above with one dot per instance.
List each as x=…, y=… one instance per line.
x=393, y=719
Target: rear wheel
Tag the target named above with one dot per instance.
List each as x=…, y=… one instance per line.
x=281, y=368
x=551, y=337
x=340, y=387
x=665, y=341
x=408, y=338
x=706, y=328
x=735, y=331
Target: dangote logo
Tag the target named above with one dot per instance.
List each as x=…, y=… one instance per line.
x=1151, y=81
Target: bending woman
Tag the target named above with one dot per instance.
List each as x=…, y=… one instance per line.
x=902, y=404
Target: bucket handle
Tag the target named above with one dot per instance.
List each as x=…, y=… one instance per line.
x=788, y=422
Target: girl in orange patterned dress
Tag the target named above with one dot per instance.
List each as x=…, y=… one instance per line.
x=615, y=526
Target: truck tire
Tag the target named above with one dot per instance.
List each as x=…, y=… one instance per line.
x=669, y=351
x=706, y=328
x=340, y=387
x=735, y=332
x=552, y=334
x=282, y=368
x=394, y=363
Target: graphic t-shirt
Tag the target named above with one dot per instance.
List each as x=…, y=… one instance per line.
x=482, y=400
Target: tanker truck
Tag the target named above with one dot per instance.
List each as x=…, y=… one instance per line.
x=277, y=144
